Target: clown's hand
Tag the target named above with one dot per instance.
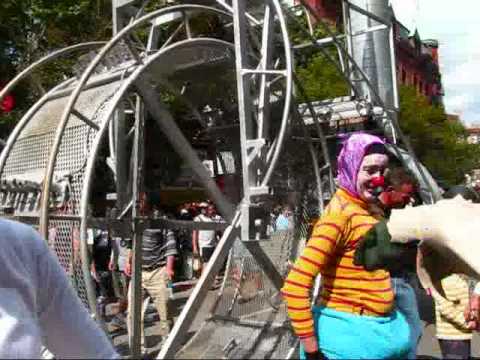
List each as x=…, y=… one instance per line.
x=376, y=251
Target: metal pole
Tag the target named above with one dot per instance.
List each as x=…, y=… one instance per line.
x=45, y=60
x=137, y=228
x=264, y=97
x=244, y=101
x=177, y=334
x=347, y=28
x=121, y=170
x=275, y=6
x=166, y=122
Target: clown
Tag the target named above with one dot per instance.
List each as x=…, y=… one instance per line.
x=354, y=316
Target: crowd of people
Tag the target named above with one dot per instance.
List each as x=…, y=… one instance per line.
x=165, y=253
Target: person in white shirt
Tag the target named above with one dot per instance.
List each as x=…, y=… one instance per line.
x=204, y=241
x=38, y=306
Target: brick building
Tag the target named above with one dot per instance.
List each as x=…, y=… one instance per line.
x=331, y=10
x=417, y=59
x=417, y=63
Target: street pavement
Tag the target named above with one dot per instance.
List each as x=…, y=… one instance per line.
x=428, y=347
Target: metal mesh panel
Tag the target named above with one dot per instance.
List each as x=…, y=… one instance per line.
x=71, y=161
x=30, y=154
x=247, y=289
x=219, y=339
x=248, y=318
x=64, y=240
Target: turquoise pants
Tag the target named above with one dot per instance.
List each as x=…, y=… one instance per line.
x=343, y=335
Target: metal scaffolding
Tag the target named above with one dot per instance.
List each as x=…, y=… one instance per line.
x=49, y=163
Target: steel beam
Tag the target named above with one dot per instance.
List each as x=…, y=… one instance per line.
x=120, y=154
x=177, y=335
x=45, y=60
x=244, y=103
x=44, y=208
x=137, y=229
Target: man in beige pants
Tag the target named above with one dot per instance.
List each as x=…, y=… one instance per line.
x=159, y=248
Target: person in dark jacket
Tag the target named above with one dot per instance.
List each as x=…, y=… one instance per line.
x=159, y=249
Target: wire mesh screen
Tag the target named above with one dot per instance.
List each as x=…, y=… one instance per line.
x=69, y=168
x=29, y=157
x=247, y=318
x=28, y=154
x=64, y=240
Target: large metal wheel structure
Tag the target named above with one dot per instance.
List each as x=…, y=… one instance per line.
x=235, y=79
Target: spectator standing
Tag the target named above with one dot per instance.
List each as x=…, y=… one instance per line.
x=204, y=241
x=101, y=251
x=453, y=323
x=284, y=220
x=452, y=330
x=159, y=249
x=118, y=261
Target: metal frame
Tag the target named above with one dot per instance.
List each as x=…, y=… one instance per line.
x=182, y=146
x=76, y=93
x=45, y=60
x=259, y=155
x=390, y=115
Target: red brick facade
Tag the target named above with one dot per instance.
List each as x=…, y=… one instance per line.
x=417, y=63
x=417, y=60
x=330, y=10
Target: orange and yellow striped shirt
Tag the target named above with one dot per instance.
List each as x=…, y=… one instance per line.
x=345, y=286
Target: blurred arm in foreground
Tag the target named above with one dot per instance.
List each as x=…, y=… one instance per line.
x=38, y=305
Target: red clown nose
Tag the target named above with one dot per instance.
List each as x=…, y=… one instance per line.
x=377, y=184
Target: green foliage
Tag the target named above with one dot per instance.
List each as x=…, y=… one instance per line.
x=319, y=76
x=440, y=144
x=29, y=29
x=321, y=80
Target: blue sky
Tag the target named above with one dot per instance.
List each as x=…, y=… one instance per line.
x=456, y=28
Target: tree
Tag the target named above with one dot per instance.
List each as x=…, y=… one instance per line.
x=319, y=76
x=440, y=144
x=29, y=29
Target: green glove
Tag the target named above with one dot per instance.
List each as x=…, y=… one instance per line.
x=376, y=251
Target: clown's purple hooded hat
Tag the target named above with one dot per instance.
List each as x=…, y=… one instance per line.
x=350, y=159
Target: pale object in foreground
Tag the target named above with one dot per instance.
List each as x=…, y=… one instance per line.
x=449, y=232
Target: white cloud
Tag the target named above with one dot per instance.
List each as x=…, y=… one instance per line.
x=458, y=103
x=455, y=26
x=466, y=74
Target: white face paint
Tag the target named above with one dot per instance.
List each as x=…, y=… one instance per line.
x=372, y=166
